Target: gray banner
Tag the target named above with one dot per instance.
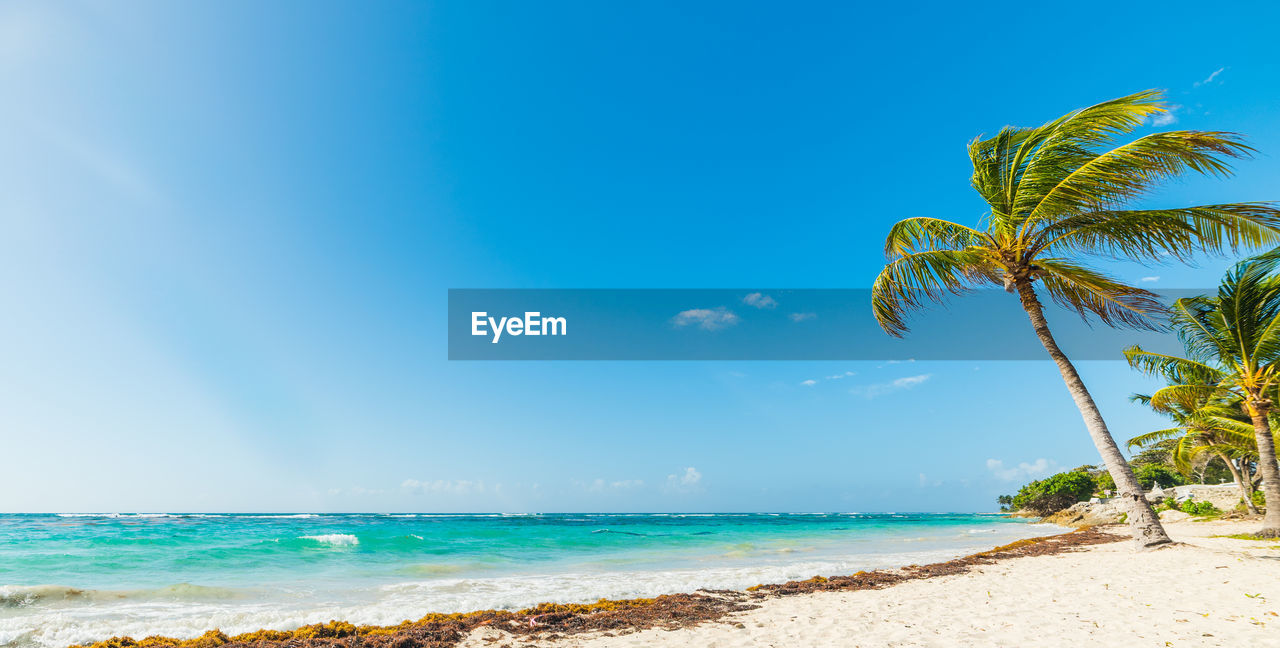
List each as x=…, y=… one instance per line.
x=763, y=324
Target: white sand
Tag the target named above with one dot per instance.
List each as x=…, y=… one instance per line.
x=1206, y=592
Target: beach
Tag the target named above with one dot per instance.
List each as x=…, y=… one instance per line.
x=1085, y=587
x=1204, y=591
x=76, y=578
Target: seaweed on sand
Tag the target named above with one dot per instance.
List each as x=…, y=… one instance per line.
x=548, y=621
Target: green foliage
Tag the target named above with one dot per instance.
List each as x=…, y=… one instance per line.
x=1192, y=507
x=1104, y=482
x=1150, y=474
x=1005, y=502
x=1057, y=492
x=1259, y=498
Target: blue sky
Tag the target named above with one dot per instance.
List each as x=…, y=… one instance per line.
x=229, y=229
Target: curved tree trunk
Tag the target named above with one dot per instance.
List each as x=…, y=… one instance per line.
x=1146, y=527
x=1246, y=494
x=1270, y=473
x=1248, y=483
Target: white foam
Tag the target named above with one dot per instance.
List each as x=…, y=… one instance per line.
x=54, y=617
x=335, y=539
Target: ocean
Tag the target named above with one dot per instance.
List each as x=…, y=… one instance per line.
x=74, y=578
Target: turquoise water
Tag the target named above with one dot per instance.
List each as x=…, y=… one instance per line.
x=77, y=577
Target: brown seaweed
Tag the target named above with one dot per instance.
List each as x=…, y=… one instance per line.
x=548, y=621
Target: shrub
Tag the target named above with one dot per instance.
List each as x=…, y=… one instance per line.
x=1105, y=482
x=1151, y=474
x=1191, y=507
x=1052, y=494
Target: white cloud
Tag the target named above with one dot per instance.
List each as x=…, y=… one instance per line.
x=684, y=482
x=601, y=486
x=356, y=490
x=707, y=319
x=1038, y=468
x=880, y=389
x=1151, y=279
x=802, y=317
x=840, y=376
x=1211, y=77
x=760, y=300
x=1165, y=118
x=445, y=486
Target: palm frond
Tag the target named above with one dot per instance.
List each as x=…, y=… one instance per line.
x=1089, y=292
x=1132, y=170
x=1171, y=396
x=912, y=280
x=1153, y=233
x=1068, y=142
x=1151, y=438
x=1174, y=369
x=921, y=234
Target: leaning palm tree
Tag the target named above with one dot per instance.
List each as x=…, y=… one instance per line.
x=1233, y=350
x=1059, y=194
x=1205, y=428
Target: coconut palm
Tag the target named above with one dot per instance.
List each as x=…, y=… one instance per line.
x=1233, y=350
x=1059, y=194
x=1204, y=429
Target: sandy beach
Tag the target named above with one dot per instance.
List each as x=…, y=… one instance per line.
x=1204, y=591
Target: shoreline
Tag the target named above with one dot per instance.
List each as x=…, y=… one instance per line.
x=549, y=621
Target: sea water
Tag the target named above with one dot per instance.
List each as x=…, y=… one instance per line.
x=80, y=577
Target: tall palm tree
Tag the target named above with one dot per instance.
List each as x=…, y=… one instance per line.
x=1205, y=426
x=1233, y=349
x=1060, y=193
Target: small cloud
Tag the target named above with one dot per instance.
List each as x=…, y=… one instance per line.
x=802, y=317
x=707, y=319
x=356, y=490
x=1024, y=470
x=809, y=383
x=880, y=389
x=841, y=375
x=601, y=485
x=760, y=300
x=1151, y=279
x=1165, y=118
x=925, y=481
x=443, y=486
x=684, y=482
x=1209, y=79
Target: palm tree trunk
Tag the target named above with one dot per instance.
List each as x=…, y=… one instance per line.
x=1248, y=483
x=1143, y=523
x=1269, y=471
x=1245, y=495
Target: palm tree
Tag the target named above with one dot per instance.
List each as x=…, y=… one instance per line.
x=1060, y=193
x=1233, y=348
x=1205, y=428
